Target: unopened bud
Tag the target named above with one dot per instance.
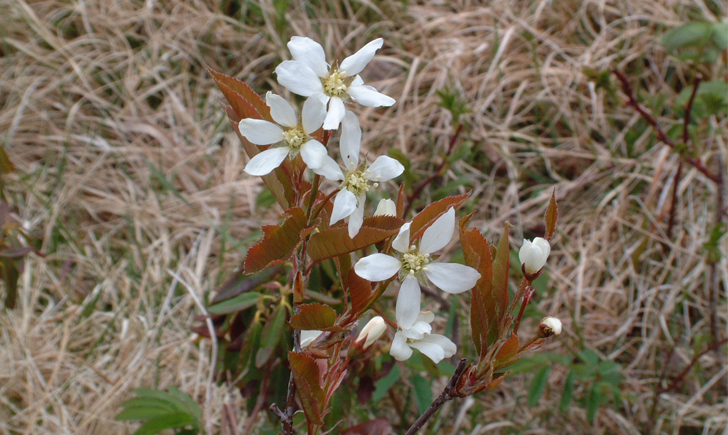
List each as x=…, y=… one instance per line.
x=549, y=326
x=533, y=255
x=308, y=337
x=372, y=331
x=386, y=207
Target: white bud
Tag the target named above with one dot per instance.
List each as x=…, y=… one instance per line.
x=550, y=326
x=372, y=331
x=386, y=207
x=308, y=337
x=533, y=255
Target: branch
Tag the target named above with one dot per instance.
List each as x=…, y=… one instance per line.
x=446, y=395
x=679, y=379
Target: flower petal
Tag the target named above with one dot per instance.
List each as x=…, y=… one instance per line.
x=445, y=343
x=335, y=114
x=401, y=242
x=357, y=218
x=314, y=112
x=425, y=316
x=260, y=132
x=309, y=336
x=384, y=169
x=350, y=142
x=265, y=161
x=368, y=96
x=418, y=330
x=310, y=53
x=399, y=349
x=298, y=78
x=377, y=267
x=438, y=235
x=281, y=110
x=452, y=277
x=313, y=154
x=408, y=302
x=344, y=205
x=329, y=169
x=431, y=350
x=355, y=63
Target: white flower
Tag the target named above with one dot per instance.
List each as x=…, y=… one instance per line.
x=372, y=331
x=308, y=337
x=386, y=207
x=355, y=179
x=533, y=255
x=309, y=75
x=293, y=136
x=414, y=261
x=550, y=326
x=434, y=346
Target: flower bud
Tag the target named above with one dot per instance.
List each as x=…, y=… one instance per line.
x=308, y=337
x=372, y=331
x=386, y=207
x=533, y=255
x=549, y=326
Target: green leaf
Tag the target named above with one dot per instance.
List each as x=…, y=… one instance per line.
x=169, y=421
x=592, y=404
x=336, y=241
x=279, y=242
x=306, y=375
x=551, y=217
x=383, y=385
x=10, y=275
x=568, y=392
x=423, y=392
x=313, y=317
x=238, y=303
x=429, y=214
x=192, y=406
x=538, y=384
x=271, y=336
x=688, y=35
x=141, y=413
x=720, y=35
x=172, y=400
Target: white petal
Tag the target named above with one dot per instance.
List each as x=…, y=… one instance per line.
x=355, y=63
x=377, y=267
x=408, y=302
x=400, y=350
x=281, y=110
x=368, y=96
x=384, y=169
x=386, y=207
x=531, y=257
x=308, y=337
x=356, y=218
x=260, y=132
x=350, y=142
x=329, y=169
x=314, y=112
x=298, y=78
x=418, y=330
x=438, y=235
x=544, y=245
x=452, y=277
x=309, y=52
x=265, y=161
x=431, y=350
x=401, y=242
x=335, y=114
x=313, y=154
x=425, y=316
x=445, y=343
x=344, y=205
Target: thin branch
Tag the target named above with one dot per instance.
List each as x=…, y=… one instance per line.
x=679, y=379
x=661, y=136
x=446, y=395
x=689, y=109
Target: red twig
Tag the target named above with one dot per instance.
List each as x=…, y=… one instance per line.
x=679, y=379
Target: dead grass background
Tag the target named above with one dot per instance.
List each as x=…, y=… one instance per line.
x=130, y=174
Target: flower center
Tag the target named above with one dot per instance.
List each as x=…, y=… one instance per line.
x=294, y=138
x=335, y=84
x=413, y=261
x=356, y=183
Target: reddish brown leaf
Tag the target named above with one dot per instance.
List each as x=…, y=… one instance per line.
x=552, y=216
x=306, y=374
x=313, y=316
x=507, y=351
x=379, y=426
x=360, y=292
x=278, y=242
x=244, y=92
x=501, y=264
x=429, y=214
x=336, y=241
x=483, y=316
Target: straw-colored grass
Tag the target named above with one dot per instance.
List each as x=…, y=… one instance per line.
x=130, y=175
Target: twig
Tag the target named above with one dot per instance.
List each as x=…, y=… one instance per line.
x=714, y=279
x=661, y=136
x=428, y=180
x=446, y=395
x=679, y=379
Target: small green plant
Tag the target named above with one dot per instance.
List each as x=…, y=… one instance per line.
x=161, y=410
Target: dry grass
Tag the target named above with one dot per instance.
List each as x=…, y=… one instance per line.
x=129, y=173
